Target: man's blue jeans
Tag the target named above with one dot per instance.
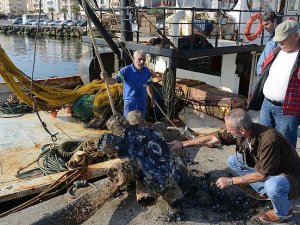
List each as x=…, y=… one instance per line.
x=276, y=187
x=130, y=105
x=271, y=116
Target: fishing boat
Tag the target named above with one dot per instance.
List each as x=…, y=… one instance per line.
x=196, y=71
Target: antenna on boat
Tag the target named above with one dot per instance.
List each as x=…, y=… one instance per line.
x=84, y=2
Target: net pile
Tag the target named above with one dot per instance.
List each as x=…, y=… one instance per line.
x=50, y=97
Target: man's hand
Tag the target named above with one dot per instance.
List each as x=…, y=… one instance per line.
x=153, y=102
x=224, y=182
x=175, y=145
x=103, y=76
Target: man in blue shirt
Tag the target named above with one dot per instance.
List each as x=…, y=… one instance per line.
x=270, y=22
x=137, y=82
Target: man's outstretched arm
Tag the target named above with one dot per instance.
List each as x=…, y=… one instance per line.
x=208, y=140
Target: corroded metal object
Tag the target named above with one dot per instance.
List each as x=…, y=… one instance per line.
x=117, y=124
x=146, y=191
x=135, y=117
x=157, y=170
x=82, y=208
x=171, y=192
x=159, y=126
x=109, y=144
x=122, y=173
x=168, y=134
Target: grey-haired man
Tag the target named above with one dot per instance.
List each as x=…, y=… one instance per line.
x=264, y=160
x=279, y=85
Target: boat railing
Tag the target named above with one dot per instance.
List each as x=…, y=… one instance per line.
x=220, y=27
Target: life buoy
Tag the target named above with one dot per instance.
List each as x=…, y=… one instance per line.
x=251, y=37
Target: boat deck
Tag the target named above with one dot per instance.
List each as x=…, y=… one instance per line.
x=19, y=147
x=21, y=140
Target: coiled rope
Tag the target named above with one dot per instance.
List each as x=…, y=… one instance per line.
x=54, y=157
x=49, y=162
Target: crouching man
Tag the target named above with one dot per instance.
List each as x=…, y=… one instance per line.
x=264, y=159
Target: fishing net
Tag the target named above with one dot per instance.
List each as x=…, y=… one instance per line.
x=101, y=105
x=83, y=108
x=50, y=97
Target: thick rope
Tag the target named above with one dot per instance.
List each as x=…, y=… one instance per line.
x=168, y=90
x=98, y=56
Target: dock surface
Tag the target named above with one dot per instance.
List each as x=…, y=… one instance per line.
x=22, y=139
x=124, y=209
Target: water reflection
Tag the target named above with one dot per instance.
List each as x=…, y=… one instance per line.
x=54, y=57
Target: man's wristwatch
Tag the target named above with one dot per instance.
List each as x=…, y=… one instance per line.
x=230, y=181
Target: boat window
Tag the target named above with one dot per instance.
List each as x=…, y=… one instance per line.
x=207, y=64
x=258, y=5
x=212, y=4
x=280, y=6
x=228, y=4
x=293, y=5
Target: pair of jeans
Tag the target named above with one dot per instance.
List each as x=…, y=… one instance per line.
x=130, y=105
x=276, y=187
x=272, y=116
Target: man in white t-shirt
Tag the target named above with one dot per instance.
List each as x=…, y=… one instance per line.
x=281, y=106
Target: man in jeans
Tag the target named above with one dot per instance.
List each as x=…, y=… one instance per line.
x=280, y=83
x=264, y=160
x=137, y=82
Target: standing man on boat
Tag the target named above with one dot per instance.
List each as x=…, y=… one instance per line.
x=270, y=22
x=264, y=159
x=277, y=93
x=137, y=82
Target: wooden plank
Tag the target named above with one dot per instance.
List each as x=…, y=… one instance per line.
x=20, y=188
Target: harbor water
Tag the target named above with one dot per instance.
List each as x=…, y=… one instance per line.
x=54, y=57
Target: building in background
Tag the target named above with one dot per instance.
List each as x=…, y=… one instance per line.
x=13, y=7
x=30, y=5
x=52, y=8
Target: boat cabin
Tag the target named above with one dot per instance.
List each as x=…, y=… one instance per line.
x=208, y=41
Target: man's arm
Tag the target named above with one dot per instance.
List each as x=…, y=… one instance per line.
x=224, y=182
x=208, y=140
x=150, y=94
x=109, y=80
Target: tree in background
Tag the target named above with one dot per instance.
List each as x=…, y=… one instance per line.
x=64, y=10
x=75, y=9
x=20, y=12
x=12, y=13
x=51, y=10
x=38, y=11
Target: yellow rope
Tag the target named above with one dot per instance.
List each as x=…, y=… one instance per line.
x=53, y=96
